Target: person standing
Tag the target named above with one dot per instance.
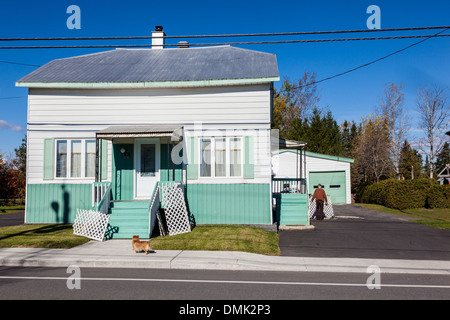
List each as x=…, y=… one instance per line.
x=320, y=197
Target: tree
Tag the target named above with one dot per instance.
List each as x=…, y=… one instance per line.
x=442, y=158
x=372, y=158
x=320, y=131
x=20, y=162
x=349, y=134
x=394, y=117
x=294, y=101
x=410, y=162
x=434, y=114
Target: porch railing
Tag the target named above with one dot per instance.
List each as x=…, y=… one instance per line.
x=288, y=185
x=101, y=196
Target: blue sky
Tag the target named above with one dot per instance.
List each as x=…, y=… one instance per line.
x=349, y=97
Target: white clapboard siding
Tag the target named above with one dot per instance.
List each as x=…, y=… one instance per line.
x=233, y=110
x=233, y=104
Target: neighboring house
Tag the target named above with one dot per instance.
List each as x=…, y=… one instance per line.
x=116, y=116
x=330, y=171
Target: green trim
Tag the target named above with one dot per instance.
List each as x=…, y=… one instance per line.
x=144, y=84
x=166, y=168
x=192, y=167
x=316, y=155
x=123, y=173
x=249, y=167
x=104, y=173
x=48, y=159
x=56, y=203
x=229, y=203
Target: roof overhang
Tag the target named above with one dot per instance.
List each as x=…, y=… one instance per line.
x=175, y=133
x=148, y=84
x=278, y=143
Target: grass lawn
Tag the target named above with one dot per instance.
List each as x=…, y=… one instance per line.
x=11, y=209
x=221, y=238
x=226, y=238
x=40, y=236
x=436, y=218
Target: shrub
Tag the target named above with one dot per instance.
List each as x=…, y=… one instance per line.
x=406, y=194
x=438, y=196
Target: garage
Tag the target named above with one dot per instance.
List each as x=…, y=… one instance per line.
x=333, y=183
x=330, y=171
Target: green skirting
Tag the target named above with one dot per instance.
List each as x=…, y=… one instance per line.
x=56, y=203
x=229, y=203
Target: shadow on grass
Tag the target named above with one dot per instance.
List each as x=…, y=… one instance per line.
x=46, y=229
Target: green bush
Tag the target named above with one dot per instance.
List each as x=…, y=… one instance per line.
x=406, y=194
x=438, y=196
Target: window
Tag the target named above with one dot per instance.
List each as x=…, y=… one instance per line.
x=75, y=158
x=148, y=157
x=61, y=158
x=221, y=157
x=90, y=159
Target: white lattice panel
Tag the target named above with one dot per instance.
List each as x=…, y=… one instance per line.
x=177, y=218
x=91, y=224
x=327, y=209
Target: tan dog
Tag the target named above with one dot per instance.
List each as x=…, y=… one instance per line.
x=138, y=245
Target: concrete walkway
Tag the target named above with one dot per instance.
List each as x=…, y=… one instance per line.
x=118, y=254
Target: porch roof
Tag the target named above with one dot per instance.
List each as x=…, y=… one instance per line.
x=151, y=131
x=279, y=143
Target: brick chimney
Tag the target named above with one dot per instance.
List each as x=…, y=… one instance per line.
x=157, y=38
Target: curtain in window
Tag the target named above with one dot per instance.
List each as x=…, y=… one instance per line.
x=235, y=157
x=221, y=157
x=75, y=160
x=90, y=158
x=61, y=158
x=205, y=164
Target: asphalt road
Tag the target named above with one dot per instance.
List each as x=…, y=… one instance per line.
x=201, y=285
x=11, y=219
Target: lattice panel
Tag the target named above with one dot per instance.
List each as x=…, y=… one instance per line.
x=327, y=209
x=90, y=224
x=177, y=218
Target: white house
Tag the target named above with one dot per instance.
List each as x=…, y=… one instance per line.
x=330, y=171
x=130, y=118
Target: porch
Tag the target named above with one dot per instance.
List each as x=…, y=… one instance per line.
x=140, y=161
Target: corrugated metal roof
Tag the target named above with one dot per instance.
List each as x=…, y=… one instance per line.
x=149, y=65
x=175, y=132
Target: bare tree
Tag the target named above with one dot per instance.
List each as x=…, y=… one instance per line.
x=434, y=120
x=372, y=150
x=397, y=125
x=295, y=100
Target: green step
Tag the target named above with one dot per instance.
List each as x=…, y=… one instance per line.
x=129, y=218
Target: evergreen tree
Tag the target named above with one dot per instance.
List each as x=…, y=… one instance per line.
x=410, y=165
x=442, y=158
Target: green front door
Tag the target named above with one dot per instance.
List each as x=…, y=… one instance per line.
x=333, y=182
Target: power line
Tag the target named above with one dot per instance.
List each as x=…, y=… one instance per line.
x=8, y=98
x=371, y=62
x=228, y=35
x=225, y=43
x=19, y=63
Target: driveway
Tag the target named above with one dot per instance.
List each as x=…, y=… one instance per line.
x=357, y=232
x=12, y=219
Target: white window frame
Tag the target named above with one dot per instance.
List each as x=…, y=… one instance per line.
x=227, y=157
x=69, y=159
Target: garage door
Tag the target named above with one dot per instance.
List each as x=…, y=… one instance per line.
x=333, y=182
